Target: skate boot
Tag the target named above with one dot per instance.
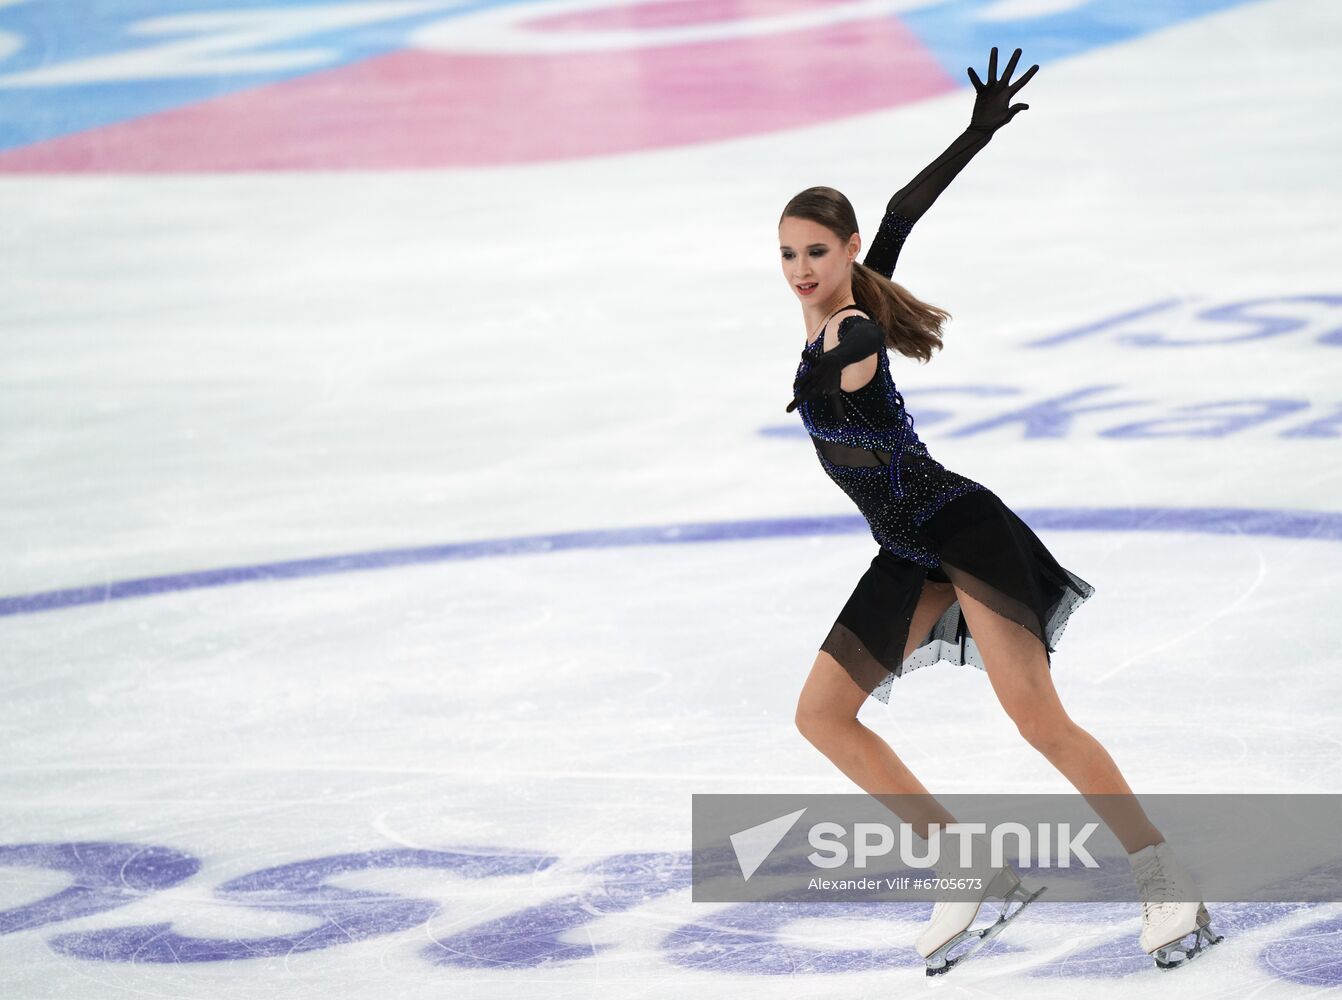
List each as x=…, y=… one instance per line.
x=1171, y=908
x=951, y=919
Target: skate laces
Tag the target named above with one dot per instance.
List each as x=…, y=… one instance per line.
x=1155, y=883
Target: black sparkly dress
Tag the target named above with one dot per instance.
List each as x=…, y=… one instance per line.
x=931, y=523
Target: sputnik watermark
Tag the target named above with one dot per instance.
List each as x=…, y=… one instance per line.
x=1253, y=847
x=877, y=840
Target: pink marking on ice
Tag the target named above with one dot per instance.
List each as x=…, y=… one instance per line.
x=671, y=14
x=414, y=109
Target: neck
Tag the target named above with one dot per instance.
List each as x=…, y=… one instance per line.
x=815, y=312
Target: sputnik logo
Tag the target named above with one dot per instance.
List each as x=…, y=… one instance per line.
x=755, y=843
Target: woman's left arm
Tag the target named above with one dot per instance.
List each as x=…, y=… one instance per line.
x=992, y=110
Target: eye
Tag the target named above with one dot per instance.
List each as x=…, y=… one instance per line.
x=818, y=253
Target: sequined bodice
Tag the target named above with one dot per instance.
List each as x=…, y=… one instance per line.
x=866, y=443
x=865, y=439
x=873, y=416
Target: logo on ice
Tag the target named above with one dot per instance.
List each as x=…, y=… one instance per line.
x=876, y=840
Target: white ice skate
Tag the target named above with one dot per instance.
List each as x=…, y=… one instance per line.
x=1171, y=908
x=951, y=919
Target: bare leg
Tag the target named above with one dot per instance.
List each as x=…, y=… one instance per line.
x=1017, y=667
x=827, y=717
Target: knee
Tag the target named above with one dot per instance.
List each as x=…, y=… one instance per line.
x=808, y=722
x=815, y=724
x=1049, y=733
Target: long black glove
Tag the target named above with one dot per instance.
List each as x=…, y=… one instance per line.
x=992, y=110
x=862, y=339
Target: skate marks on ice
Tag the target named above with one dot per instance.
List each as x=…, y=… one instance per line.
x=1311, y=955
x=1299, y=942
x=605, y=906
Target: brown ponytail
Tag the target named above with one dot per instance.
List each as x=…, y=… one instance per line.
x=912, y=327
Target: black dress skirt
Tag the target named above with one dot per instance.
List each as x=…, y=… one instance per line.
x=986, y=551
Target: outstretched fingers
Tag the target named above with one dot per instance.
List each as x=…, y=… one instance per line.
x=994, y=81
x=1023, y=80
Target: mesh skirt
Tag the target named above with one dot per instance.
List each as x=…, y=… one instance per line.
x=986, y=551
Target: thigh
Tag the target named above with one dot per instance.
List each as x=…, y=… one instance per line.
x=932, y=604
x=830, y=689
x=829, y=692
x=1015, y=661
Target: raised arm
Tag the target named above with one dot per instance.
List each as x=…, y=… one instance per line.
x=908, y=204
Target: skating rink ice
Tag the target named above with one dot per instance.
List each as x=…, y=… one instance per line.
x=401, y=520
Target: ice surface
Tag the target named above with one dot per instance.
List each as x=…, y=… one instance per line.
x=438, y=768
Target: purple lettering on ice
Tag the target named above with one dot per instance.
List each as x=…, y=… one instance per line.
x=1120, y=953
x=531, y=937
x=1309, y=955
x=1047, y=417
x=741, y=939
x=339, y=916
x=745, y=939
x=1105, y=323
x=1326, y=426
x=1216, y=418
x=1206, y=327
x=927, y=416
x=106, y=875
x=1260, y=325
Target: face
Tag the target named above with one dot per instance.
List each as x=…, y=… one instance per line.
x=813, y=256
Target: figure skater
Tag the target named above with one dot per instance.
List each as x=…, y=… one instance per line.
x=958, y=576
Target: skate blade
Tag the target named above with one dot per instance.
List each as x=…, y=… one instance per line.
x=939, y=964
x=1203, y=938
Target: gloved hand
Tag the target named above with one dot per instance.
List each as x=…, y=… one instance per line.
x=822, y=379
x=990, y=104
x=992, y=110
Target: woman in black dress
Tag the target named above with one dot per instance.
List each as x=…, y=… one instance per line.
x=958, y=576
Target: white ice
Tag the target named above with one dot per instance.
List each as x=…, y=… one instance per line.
x=212, y=371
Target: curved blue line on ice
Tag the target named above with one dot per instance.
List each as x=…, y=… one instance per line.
x=1320, y=525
